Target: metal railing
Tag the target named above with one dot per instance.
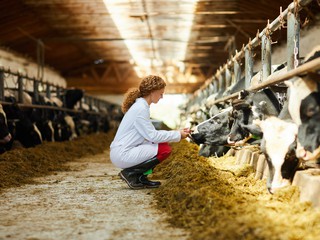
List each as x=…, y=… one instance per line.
x=48, y=89
x=221, y=80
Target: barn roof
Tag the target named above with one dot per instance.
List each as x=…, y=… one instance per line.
x=105, y=46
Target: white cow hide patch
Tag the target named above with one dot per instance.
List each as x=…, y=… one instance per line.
x=299, y=89
x=278, y=135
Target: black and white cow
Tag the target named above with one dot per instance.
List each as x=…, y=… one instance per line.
x=63, y=123
x=42, y=117
x=295, y=134
x=279, y=145
x=21, y=127
x=309, y=130
x=5, y=135
x=303, y=106
x=212, y=134
x=248, y=107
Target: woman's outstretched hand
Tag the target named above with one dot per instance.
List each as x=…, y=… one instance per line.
x=185, y=132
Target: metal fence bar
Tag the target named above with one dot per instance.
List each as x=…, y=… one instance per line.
x=246, y=51
x=248, y=66
x=36, y=90
x=20, y=77
x=20, y=89
x=48, y=90
x=237, y=71
x=23, y=105
x=293, y=39
x=1, y=85
x=308, y=67
x=265, y=57
x=227, y=77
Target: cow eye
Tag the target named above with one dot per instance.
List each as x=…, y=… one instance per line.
x=309, y=131
x=235, y=114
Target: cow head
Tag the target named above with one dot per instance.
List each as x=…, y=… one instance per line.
x=249, y=107
x=215, y=130
x=21, y=127
x=5, y=135
x=64, y=127
x=72, y=96
x=242, y=115
x=309, y=129
x=278, y=145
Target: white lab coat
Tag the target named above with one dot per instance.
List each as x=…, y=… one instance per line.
x=137, y=139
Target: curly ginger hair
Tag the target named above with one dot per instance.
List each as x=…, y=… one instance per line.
x=148, y=84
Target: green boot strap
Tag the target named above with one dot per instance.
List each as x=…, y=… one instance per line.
x=147, y=172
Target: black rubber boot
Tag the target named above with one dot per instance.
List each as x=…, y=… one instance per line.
x=146, y=165
x=147, y=183
x=136, y=179
x=131, y=178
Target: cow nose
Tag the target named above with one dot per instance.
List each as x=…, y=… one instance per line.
x=194, y=130
x=6, y=139
x=230, y=141
x=301, y=153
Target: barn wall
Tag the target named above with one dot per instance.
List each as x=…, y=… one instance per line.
x=113, y=98
x=17, y=63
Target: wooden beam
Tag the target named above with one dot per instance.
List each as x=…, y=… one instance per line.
x=115, y=68
x=239, y=29
x=104, y=76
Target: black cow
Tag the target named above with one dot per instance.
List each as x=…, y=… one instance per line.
x=215, y=130
x=248, y=107
x=5, y=136
x=21, y=127
x=309, y=129
x=212, y=134
x=71, y=97
x=213, y=150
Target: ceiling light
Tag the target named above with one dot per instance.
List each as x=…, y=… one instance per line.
x=150, y=54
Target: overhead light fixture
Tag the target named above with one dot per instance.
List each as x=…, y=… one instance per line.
x=126, y=18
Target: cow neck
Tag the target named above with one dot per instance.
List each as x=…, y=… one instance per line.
x=272, y=98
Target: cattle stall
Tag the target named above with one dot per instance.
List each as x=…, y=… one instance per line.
x=35, y=111
x=275, y=108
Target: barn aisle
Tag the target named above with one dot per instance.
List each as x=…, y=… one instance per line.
x=88, y=202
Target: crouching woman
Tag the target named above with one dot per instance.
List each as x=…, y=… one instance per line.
x=138, y=147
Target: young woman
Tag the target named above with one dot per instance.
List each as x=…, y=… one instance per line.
x=138, y=147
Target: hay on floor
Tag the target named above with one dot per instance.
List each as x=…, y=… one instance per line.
x=215, y=199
